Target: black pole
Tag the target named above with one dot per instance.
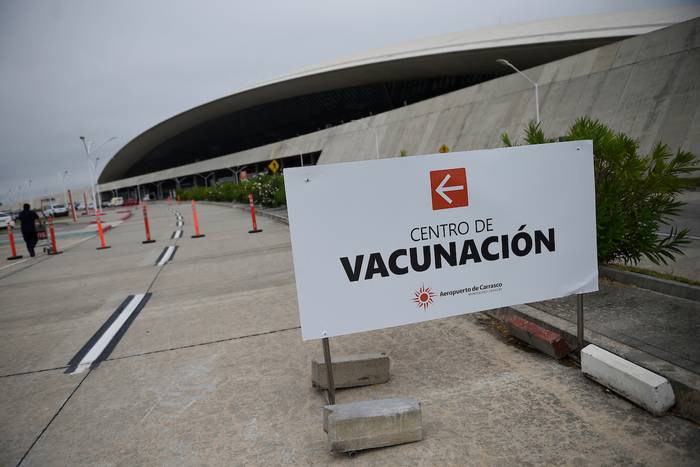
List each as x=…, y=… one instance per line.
x=579, y=321
x=329, y=370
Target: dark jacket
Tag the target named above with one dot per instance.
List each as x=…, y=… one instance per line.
x=28, y=219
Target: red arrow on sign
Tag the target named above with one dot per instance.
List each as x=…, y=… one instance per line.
x=448, y=188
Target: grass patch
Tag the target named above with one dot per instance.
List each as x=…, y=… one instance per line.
x=660, y=275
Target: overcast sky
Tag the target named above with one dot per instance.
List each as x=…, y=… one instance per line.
x=104, y=68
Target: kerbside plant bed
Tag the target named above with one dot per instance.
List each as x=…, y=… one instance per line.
x=435, y=236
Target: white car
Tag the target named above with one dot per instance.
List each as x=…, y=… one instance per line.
x=5, y=218
x=81, y=206
x=56, y=210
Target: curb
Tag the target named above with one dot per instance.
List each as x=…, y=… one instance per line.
x=244, y=207
x=677, y=289
x=686, y=384
x=264, y=213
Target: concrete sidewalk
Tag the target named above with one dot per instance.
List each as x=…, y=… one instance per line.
x=660, y=325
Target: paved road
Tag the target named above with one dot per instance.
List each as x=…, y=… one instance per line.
x=213, y=370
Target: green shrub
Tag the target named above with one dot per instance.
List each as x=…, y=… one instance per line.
x=635, y=194
x=267, y=190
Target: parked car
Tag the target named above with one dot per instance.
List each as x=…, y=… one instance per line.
x=5, y=218
x=81, y=206
x=56, y=210
x=117, y=201
x=131, y=202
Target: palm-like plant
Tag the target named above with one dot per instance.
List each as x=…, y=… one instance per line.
x=635, y=194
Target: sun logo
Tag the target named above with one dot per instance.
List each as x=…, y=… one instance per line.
x=423, y=297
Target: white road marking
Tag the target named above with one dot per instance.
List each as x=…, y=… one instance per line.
x=177, y=234
x=166, y=256
x=15, y=263
x=104, y=340
x=65, y=246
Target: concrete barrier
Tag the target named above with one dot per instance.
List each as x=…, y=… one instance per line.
x=646, y=389
x=372, y=424
x=352, y=370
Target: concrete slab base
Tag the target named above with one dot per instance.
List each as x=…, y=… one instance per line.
x=372, y=424
x=646, y=389
x=352, y=370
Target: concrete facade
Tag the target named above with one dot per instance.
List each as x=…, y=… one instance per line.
x=647, y=86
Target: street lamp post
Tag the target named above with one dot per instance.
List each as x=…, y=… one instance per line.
x=62, y=175
x=505, y=62
x=99, y=194
x=92, y=182
x=92, y=167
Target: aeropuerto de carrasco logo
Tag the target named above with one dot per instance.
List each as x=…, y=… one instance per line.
x=423, y=297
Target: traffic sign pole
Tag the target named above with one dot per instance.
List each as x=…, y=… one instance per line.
x=101, y=233
x=195, y=220
x=252, y=214
x=145, y=224
x=13, y=249
x=72, y=207
x=52, y=232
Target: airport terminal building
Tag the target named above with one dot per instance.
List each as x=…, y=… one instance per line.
x=636, y=71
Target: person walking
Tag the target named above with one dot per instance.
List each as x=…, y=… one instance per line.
x=28, y=219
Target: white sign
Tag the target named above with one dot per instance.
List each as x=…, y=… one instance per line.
x=396, y=241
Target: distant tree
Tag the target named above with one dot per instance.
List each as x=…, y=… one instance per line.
x=635, y=194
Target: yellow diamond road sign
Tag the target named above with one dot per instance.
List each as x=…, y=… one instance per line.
x=274, y=166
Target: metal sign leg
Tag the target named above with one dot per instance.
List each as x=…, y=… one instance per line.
x=329, y=370
x=579, y=320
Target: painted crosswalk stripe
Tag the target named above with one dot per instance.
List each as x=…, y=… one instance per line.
x=179, y=223
x=177, y=234
x=101, y=344
x=167, y=255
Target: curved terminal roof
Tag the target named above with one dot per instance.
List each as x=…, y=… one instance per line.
x=467, y=53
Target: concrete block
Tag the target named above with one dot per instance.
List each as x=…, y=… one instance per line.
x=646, y=389
x=352, y=370
x=372, y=424
x=552, y=343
